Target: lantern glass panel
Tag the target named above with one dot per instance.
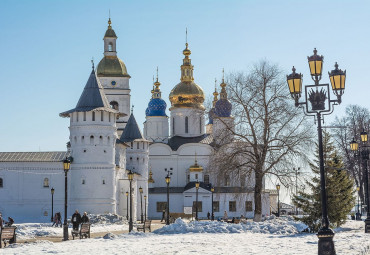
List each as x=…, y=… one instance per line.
x=364, y=137
x=354, y=146
x=315, y=67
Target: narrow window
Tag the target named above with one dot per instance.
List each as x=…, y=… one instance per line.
x=103, y=182
x=84, y=116
x=110, y=47
x=46, y=183
x=108, y=142
x=132, y=145
x=173, y=126
x=196, y=176
x=102, y=116
x=1, y=183
x=200, y=124
x=226, y=180
x=82, y=139
x=75, y=139
x=137, y=145
x=186, y=124
x=93, y=116
x=100, y=140
x=77, y=114
x=206, y=179
x=143, y=145
x=248, y=206
x=83, y=182
x=109, y=116
x=188, y=178
x=92, y=140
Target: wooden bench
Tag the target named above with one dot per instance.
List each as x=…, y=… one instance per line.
x=142, y=226
x=84, y=231
x=8, y=235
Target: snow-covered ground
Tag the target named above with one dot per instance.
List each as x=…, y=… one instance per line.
x=273, y=236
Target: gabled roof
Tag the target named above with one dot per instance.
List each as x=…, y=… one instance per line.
x=131, y=131
x=45, y=156
x=92, y=98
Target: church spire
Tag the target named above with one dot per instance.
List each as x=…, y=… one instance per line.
x=156, y=90
x=223, y=93
x=215, y=94
x=187, y=67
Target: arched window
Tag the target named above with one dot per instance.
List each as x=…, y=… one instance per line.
x=83, y=181
x=114, y=105
x=173, y=126
x=186, y=124
x=100, y=139
x=93, y=116
x=92, y=140
x=110, y=47
x=1, y=183
x=46, y=183
x=108, y=142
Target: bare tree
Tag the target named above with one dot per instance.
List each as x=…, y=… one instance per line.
x=355, y=120
x=268, y=133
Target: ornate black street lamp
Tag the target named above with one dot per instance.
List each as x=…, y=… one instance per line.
x=212, y=215
x=127, y=205
x=141, y=203
x=66, y=167
x=145, y=208
x=130, y=178
x=364, y=153
x=196, y=203
x=52, y=204
x=278, y=205
x=321, y=104
x=168, y=180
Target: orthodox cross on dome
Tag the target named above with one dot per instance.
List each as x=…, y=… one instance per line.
x=215, y=94
x=132, y=109
x=92, y=63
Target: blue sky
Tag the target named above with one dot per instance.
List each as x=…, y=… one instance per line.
x=46, y=48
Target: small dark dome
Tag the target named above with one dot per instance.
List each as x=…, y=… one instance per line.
x=223, y=108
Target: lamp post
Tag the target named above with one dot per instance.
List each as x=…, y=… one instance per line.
x=66, y=167
x=145, y=208
x=127, y=205
x=141, y=203
x=196, y=203
x=358, y=217
x=212, y=215
x=321, y=104
x=364, y=153
x=278, y=205
x=296, y=170
x=168, y=180
x=52, y=204
x=130, y=178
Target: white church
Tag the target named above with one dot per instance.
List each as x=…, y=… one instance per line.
x=105, y=143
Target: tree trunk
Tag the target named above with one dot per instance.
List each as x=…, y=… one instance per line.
x=258, y=197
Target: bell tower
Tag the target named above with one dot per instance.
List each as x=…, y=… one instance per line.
x=114, y=78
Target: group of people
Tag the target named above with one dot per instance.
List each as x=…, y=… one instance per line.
x=4, y=223
x=77, y=219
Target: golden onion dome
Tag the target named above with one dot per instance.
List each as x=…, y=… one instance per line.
x=187, y=93
x=112, y=66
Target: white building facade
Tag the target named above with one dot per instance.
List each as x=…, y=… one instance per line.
x=106, y=143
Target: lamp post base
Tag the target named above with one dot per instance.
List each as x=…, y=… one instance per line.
x=65, y=232
x=326, y=243
x=367, y=225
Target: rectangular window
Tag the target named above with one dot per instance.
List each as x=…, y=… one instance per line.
x=232, y=206
x=216, y=206
x=102, y=116
x=199, y=206
x=226, y=180
x=196, y=176
x=200, y=124
x=109, y=116
x=84, y=116
x=93, y=116
x=77, y=113
x=173, y=126
x=161, y=206
x=248, y=206
x=186, y=124
x=206, y=179
x=137, y=145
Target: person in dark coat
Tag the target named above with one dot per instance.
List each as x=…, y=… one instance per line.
x=10, y=222
x=59, y=219
x=208, y=215
x=76, y=220
x=163, y=215
x=85, y=218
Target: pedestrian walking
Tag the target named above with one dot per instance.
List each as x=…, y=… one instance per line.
x=85, y=218
x=59, y=219
x=55, y=220
x=225, y=216
x=163, y=215
x=208, y=215
x=76, y=220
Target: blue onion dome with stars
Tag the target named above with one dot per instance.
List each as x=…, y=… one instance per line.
x=157, y=106
x=223, y=106
x=211, y=113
